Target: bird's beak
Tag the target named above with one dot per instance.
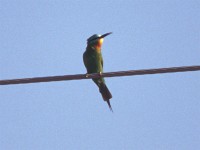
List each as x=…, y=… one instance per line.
x=104, y=35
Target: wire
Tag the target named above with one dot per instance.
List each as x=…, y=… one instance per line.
x=97, y=75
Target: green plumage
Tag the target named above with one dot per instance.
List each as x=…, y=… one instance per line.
x=93, y=61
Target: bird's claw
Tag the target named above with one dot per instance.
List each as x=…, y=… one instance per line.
x=86, y=75
x=100, y=74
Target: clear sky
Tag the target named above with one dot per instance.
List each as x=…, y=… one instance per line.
x=46, y=37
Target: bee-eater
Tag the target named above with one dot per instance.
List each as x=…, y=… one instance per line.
x=93, y=62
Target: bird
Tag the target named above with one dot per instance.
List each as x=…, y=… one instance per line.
x=93, y=61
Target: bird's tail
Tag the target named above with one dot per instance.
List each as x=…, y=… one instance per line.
x=108, y=101
x=105, y=94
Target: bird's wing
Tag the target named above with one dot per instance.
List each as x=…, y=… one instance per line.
x=85, y=60
x=102, y=61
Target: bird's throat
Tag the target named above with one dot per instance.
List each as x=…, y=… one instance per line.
x=97, y=48
x=99, y=44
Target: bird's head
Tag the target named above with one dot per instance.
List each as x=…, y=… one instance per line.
x=96, y=40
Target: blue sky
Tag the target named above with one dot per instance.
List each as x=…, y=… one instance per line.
x=154, y=112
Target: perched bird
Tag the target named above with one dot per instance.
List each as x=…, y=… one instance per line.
x=93, y=62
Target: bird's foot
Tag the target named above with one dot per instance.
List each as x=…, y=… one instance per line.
x=100, y=74
x=86, y=75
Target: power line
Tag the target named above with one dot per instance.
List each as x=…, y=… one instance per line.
x=97, y=75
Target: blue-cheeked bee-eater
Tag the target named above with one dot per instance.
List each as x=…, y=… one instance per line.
x=93, y=62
